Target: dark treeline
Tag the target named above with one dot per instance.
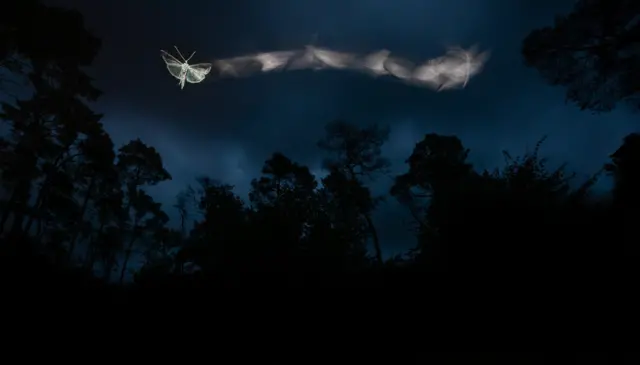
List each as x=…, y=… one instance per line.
x=74, y=208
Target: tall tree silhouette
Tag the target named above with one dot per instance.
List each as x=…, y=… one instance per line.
x=138, y=165
x=105, y=242
x=217, y=240
x=46, y=133
x=343, y=226
x=49, y=44
x=283, y=199
x=593, y=52
x=95, y=170
x=356, y=156
x=438, y=168
x=625, y=170
x=283, y=182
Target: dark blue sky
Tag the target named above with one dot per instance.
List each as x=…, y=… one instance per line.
x=227, y=128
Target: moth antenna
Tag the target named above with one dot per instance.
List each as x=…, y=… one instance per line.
x=180, y=54
x=187, y=60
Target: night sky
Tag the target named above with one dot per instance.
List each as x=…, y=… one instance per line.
x=227, y=128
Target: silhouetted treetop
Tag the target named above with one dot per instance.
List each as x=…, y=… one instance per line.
x=593, y=51
x=356, y=154
x=625, y=170
x=54, y=43
x=437, y=162
x=282, y=178
x=140, y=164
x=357, y=150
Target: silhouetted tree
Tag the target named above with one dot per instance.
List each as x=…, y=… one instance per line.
x=504, y=219
x=218, y=240
x=48, y=44
x=343, y=224
x=94, y=171
x=138, y=165
x=625, y=170
x=283, y=199
x=593, y=52
x=47, y=132
x=357, y=155
x=184, y=203
x=438, y=169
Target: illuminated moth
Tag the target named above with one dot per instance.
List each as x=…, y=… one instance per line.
x=183, y=71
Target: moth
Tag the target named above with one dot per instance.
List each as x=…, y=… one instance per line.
x=183, y=71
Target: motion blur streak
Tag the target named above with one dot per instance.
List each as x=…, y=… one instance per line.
x=452, y=70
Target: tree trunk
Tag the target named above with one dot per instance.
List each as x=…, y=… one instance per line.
x=374, y=233
x=83, y=209
x=36, y=208
x=376, y=240
x=44, y=189
x=89, y=257
x=183, y=228
x=127, y=256
x=22, y=197
x=131, y=191
x=108, y=267
x=22, y=191
x=7, y=210
x=39, y=230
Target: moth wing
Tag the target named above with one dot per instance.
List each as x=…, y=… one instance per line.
x=203, y=68
x=173, y=65
x=194, y=76
x=196, y=73
x=168, y=58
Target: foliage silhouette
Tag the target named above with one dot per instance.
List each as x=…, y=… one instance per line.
x=357, y=155
x=49, y=45
x=624, y=168
x=75, y=209
x=593, y=52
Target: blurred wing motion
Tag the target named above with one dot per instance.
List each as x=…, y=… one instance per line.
x=306, y=59
x=452, y=70
x=253, y=64
x=334, y=59
x=184, y=72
